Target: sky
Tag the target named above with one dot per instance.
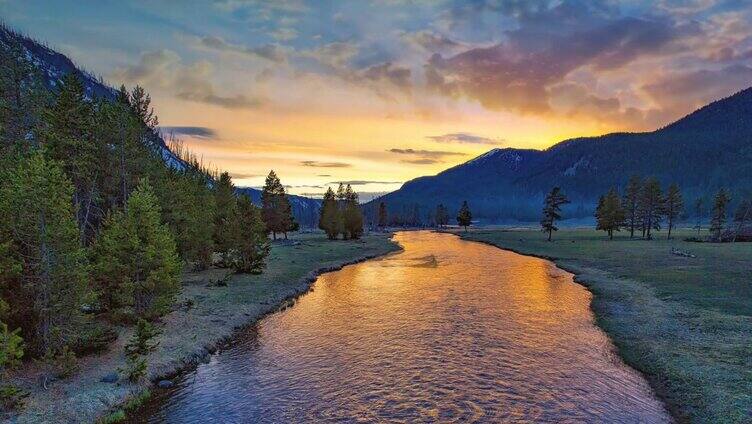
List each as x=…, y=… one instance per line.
x=379, y=92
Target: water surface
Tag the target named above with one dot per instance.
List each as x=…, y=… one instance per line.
x=447, y=331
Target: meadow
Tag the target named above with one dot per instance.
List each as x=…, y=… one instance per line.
x=685, y=322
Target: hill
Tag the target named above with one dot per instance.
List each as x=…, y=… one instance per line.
x=708, y=149
x=53, y=66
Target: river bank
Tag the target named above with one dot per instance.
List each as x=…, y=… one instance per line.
x=685, y=323
x=207, y=317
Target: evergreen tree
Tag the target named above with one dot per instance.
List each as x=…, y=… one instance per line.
x=225, y=217
x=718, y=216
x=610, y=214
x=442, y=216
x=136, y=263
x=275, y=207
x=464, y=217
x=45, y=271
x=383, y=216
x=551, y=210
x=22, y=97
x=329, y=215
x=651, y=207
x=699, y=212
x=673, y=207
x=69, y=139
x=352, y=217
x=742, y=216
x=253, y=245
x=631, y=202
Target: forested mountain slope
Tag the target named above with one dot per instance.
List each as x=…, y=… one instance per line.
x=53, y=66
x=708, y=149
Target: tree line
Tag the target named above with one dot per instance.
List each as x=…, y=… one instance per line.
x=96, y=228
x=341, y=214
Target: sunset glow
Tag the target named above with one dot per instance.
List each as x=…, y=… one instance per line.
x=379, y=92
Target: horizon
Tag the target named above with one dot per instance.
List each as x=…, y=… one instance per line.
x=324, y=93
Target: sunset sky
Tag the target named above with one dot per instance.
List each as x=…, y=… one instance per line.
x=379, y=92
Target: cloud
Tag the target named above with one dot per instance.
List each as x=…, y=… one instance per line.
x=271, y=52
x=284, y=34
x=164, y=69
x=464, y=138
x=432, y=42
x=364, y=182
x=335, y=55
x=426, y=153
x=240, y=175
x=323, y=175
x=196, y=132
x=317, y=164
x=398, y=76
x=552, y=40
x=424, y=161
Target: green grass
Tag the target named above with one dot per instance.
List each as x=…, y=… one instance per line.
x=684, y=322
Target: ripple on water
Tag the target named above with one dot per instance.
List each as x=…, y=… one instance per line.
x=447, y=330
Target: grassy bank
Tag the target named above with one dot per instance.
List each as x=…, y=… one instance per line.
x=206, y=316
x=686, y=323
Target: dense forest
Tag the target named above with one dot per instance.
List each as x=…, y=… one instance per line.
x=100, y=217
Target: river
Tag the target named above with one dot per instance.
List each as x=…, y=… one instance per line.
x=445, y=331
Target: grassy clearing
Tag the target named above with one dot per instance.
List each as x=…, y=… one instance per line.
x=207, y=316
x=684, y=322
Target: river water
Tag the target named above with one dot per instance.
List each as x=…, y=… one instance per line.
x=445, y=331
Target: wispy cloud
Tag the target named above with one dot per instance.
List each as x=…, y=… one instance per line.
x=317, y=164
x=195, y=132
x=364, y=182
x=426, y=153
x=465, y=138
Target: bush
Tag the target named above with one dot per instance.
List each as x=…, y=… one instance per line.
x=11, y=398
x=142, y=342
x=11, y=348
x=135, y=368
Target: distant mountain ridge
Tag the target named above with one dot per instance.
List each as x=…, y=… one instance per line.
x=54, y=65
x=707, y=149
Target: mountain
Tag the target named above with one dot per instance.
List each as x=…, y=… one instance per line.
x=53, y=66
x=708, y=149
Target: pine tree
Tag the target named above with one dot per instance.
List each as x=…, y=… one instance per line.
x=610, y=214
x=329, y=215
x=383, y=216
x=225, y=217
x=352, y=217
x=718, y=217
x=253, y=245
x=651, y=207
x=464, y=217
x=631, y=202
x=69, y=139
x=673, y=207
x=699, y=212
x=442, y=216
x=275, y=207
x=22, y=97
x=551, y=210
x=45, y=285
x=742, y=216
x=136, y=263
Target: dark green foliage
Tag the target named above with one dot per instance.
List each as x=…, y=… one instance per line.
x=11, y=348
x=136, y=263
x=631, y=203
x=252, y=242
x=552, y=210
x=464, y=217
x=651, y=207
x=718, y=215
x=352, y=217
x=276, y=210
x=329, y=215
x=11, y=398
x=442, y=216
x=610, y=214
x=225, y=217
x=135, y=368
x=383, y=216
x=673, y=206
x=142, y=341
x=46, y=283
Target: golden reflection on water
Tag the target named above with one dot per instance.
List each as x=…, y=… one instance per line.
x=447, y=330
